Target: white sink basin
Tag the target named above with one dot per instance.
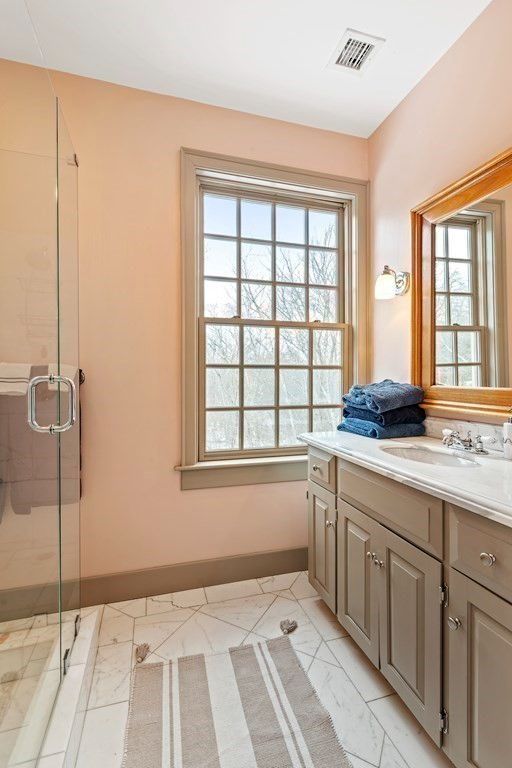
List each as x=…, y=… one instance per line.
x=426, y=455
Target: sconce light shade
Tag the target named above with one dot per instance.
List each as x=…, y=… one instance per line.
x=390, y=284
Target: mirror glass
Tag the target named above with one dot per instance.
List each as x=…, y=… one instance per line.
x=471, y=282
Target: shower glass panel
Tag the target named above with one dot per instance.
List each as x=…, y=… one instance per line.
x=39, y=471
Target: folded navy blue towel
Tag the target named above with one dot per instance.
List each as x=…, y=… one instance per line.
x=370, y=429
x=383, y=396
x=409, y=414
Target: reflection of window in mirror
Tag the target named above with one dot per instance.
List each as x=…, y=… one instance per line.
x=470, y=311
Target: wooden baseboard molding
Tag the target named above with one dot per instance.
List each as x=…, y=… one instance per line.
x=22, y=602
x=129, y=585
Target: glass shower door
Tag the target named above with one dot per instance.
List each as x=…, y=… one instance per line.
x=39, y=470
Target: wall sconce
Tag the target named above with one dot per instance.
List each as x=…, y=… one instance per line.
x=390, y=283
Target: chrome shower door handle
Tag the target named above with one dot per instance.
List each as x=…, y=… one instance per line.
x=51, y=429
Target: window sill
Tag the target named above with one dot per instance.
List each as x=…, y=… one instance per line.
x=218, y=474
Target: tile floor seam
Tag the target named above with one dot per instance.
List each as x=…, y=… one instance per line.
x=155, y=650
x=120, y=610
x=229, y=623
x=383, y=742
x=378, y=698
x=261, y=592
x=269, y=606
x=353, y=754
x=387, y=734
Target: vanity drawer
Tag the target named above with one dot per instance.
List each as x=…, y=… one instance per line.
x=482, y=549
x=412, y=514
x=322, y=468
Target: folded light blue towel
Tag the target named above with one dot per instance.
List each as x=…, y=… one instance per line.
x=409, y=414
x=370, y=429
x=383, y=396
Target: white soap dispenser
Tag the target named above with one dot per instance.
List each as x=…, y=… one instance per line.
x=507, y=437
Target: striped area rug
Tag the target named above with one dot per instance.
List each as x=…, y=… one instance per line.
x=253, y=707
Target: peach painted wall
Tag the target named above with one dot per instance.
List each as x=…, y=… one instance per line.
x=133, y=512
x=456, y=118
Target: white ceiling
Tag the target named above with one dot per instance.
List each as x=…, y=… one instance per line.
x=267, y=57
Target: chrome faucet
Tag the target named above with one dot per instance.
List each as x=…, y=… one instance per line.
x=452, y=439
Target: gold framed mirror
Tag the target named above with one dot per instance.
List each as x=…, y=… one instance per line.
x=461, y=283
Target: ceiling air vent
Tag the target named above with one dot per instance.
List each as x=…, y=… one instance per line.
x=355, y=50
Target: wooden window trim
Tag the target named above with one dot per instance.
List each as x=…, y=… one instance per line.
x=196, y=167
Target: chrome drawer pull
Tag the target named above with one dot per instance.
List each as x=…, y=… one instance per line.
x=454, y=623
x=487, y=559
x=315, y=467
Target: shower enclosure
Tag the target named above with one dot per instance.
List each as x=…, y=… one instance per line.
x=39, y=392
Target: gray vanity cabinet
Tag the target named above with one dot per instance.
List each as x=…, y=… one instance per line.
x=410, y=626
x=479, y=633
x=388, y=601
x=425, y=589
x=357, y=578
x=322, y=542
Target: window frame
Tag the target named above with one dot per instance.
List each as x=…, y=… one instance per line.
x=200, y=170
x=485, y=223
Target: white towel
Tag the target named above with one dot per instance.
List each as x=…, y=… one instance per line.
x=14, y=378
x=65, y=370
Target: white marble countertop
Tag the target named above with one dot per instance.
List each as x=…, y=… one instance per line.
x=484, y=487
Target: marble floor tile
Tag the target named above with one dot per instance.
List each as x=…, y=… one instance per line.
x=15, y=639
x=103, y=737
x=305, y=638
x=116, y=627
x=323, y=619
x=358, y=763
x=133, y=608
x=15, y=625
x=286, y=593
x=157, y=627
x=190, y=598
x=244, y=612
x=277, y=583
x=409, y=738
x=370, y=683
x=52, y=761
x=221, y=592
x=66, y=703
x=357, y=728
x=201, y=634
x=302, y=588
x=391, y=757
x=111, y=678
x=15, y=699
x=324, y=653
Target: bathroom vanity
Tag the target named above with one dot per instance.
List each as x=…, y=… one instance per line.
x=410, y=545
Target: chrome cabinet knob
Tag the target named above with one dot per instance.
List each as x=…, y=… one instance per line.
x=378, y=563
x=315, y=467
x=330, y=523
x=370, y=555
x=454, y=623
x=486, y=558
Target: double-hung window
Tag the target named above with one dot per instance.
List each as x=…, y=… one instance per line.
x=269, y=318
x=469, y=299
x=271, y=325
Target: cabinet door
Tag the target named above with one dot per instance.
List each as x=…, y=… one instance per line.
x=479, y=676
x=357, y=594
x=322, y=543
x=410, y=627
